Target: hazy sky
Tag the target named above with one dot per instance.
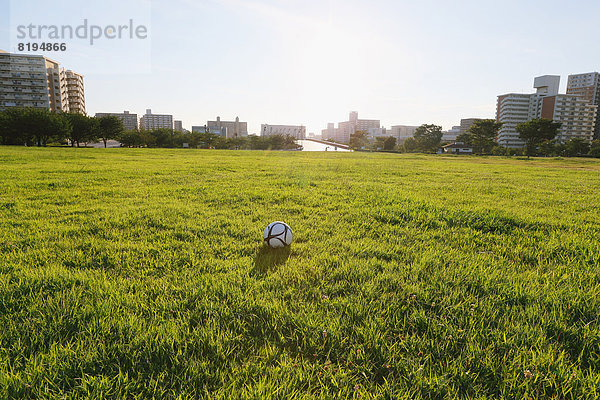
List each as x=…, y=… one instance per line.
x=311, y=62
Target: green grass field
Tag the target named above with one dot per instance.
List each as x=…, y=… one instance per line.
x=139, y=273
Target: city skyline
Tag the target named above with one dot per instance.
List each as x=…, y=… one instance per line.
x=289, y=63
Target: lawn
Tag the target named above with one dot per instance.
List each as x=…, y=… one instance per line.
x=140, y=273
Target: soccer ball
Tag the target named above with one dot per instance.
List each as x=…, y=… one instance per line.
x=278, y=234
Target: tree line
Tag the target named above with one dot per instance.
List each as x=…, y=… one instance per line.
x=539, y=136
x=201, y=140
x=41, y=127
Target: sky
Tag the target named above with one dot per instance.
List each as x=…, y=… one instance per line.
x=310, y=62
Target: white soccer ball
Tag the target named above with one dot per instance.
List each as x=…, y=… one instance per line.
x=278, y=234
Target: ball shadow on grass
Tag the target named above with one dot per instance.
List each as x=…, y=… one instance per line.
x=268, y=258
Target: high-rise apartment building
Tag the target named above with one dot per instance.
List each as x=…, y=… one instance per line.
x=296, y=131
x=74, y=97
x=130, y=121
x=151, y=121
x=39, y=82
x=512, y=109
x=229, y=129
x=57, y=87
x=23, y=81
x=576, y=115
x=65, y=88
x=587, y=86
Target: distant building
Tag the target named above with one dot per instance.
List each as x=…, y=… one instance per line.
x=57, y=87
x=587, y=87
x=130, y=121
x=402, y=132
x=373, y=133
x=75, y=97
x=347, y=128
x=65, y=89
x=229, y=129
x=576, y=115
x=24, y=82
x=329, y=133
x=513, y=109
x=151, y=121
x=39, y=82
x=452, y=134
x=177, y=126
x=296, y=131
x=467, y=123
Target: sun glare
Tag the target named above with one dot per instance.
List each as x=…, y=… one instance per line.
x=330, y=65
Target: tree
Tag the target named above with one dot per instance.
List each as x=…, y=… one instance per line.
x=12, y=130
x=389, y=143
x=378, y=143
x=32, y=126
x=110, y=127
x=576, y=147
x=54, y=128
x=85, y=129
x=207, y=140
x=549, y=148
x=595, y=149
x=536, y=131
x=358, y=140
x=163, y=137
x=428, y=138
x=481, y=135
x=4, y=128
x=498, y=151
x=131, y=139
x=410, y=145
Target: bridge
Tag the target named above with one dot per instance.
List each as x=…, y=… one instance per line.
x=333, y=144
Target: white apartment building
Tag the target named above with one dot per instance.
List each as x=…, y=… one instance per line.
x=151, y=121
x=65, y=89
x=73, y=97
x=130, y=121
x=587, y=86
x=512, y=109
x=575, y=114
x=296, y=131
